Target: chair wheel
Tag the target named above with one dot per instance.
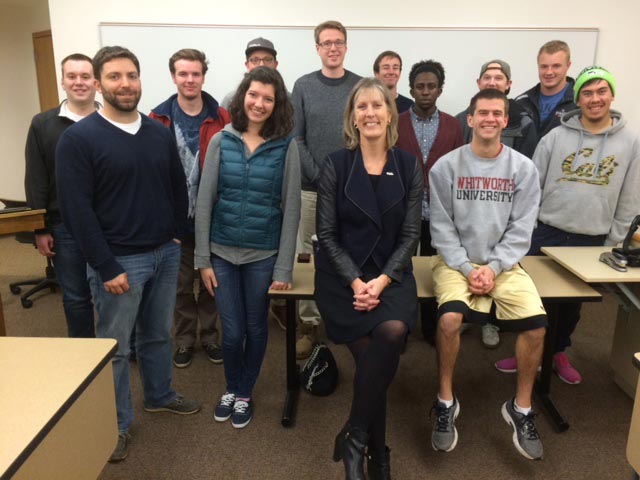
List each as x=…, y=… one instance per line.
x=26, y=303
x=15, y=289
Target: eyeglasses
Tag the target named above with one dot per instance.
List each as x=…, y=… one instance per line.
x=263, y=60
x=339, y=44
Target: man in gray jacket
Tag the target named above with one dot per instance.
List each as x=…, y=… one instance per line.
x=589, y=171
x=483, y=209
x=319, y=100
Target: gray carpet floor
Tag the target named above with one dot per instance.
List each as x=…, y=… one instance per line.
x=166, y=446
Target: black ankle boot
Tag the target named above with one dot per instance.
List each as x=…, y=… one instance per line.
x=379, y=465
x=349, y=447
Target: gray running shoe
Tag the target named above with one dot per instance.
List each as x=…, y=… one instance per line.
x=490, y=337
x=525, y=435
x=445, y=436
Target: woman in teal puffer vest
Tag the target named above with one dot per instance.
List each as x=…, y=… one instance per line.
x=247, y=216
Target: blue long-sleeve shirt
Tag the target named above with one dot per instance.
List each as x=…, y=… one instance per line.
x=120, y=194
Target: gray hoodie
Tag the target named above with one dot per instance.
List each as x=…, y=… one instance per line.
x=483, y=209
x=590, y=182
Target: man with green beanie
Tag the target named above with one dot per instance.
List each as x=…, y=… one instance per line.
x=589, y=171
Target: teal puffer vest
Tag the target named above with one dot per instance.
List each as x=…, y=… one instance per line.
x=248, y=212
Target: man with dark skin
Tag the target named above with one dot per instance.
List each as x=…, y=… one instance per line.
x=427, y=133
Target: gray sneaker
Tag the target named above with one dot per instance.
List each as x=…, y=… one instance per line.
x=445, y=436
x=180, y=405
x=122, y=448
x=490, y=336
x=525, y=435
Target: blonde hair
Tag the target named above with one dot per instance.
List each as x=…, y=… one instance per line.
x=329, y=25
x=351, y=133
x=555, y=46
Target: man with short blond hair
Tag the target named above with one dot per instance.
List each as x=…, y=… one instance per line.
x=319, y=99
x=387, y=68
x=194, y=117
x=54, y=241
x=552, y=97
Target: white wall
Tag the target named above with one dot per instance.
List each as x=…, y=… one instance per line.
x=18, y=90
x=75, y=22
x=75, y=27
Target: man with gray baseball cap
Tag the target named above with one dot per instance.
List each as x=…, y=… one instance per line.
x=260, y=51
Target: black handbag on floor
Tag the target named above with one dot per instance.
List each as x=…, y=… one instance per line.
x=319, y=376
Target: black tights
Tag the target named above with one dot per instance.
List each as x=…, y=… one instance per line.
x=376, y=356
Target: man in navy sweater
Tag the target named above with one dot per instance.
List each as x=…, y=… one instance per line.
x=122, y=194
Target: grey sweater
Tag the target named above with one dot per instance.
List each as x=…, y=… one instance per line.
x=319, y=104
x=208, y=193
x=483, y=210
x=590, y=182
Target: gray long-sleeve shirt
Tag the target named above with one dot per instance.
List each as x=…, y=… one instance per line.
x=319, y=104
x=483, y=210
x=208, y=193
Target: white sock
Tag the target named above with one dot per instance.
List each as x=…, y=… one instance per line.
x=446, y=403
x=523, y=411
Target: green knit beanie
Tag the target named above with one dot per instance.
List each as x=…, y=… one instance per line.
x=590, y=73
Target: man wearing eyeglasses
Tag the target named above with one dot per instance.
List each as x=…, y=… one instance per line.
x=319, y=99
x=193, y=117
x=260, y=51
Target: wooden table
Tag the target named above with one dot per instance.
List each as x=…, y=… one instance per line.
x=633, y=444
x=553, y=282
x=58, y=407
x=27, y=221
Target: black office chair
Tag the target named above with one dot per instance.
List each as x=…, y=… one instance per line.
x=49, y=281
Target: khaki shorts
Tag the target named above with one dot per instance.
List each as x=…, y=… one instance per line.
x=518, y=305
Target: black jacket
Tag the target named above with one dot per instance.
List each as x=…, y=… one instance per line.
x=40, y=153
x=519, y=134
x=354, y=222
x=530, y=101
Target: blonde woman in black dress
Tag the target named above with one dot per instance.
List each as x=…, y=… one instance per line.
x=368, y=226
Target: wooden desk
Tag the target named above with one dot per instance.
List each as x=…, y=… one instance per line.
x=58, y=407
x=633, y=444
x=553, y=283
x=18, y=222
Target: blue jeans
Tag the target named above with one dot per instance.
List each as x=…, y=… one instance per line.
x=147, y=307
x=243, y=306
x=71, y=272
x=568, y=312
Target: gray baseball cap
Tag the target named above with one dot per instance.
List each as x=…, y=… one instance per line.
x=260, y=44
x=497, y=64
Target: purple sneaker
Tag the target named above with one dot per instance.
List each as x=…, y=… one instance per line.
x=565, y=370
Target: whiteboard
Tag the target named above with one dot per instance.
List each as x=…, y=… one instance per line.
x=462, y=51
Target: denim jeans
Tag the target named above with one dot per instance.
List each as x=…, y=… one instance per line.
x=568, y=312
x=243, y=305
x=71, y=272
x=147, y=307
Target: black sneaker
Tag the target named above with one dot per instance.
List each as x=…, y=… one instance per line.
x=122, y=448
x=183, y=357
x=242, y=413
x=444, y=436
x=224, y=409
x=180, y=405
x=214, y=352
x=525, y=435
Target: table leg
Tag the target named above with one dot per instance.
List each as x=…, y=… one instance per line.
x=543, y=384
x=3, y=331
x=291, y=399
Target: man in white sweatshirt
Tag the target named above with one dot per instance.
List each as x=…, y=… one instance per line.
x=589, y=170
x=484, y=198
